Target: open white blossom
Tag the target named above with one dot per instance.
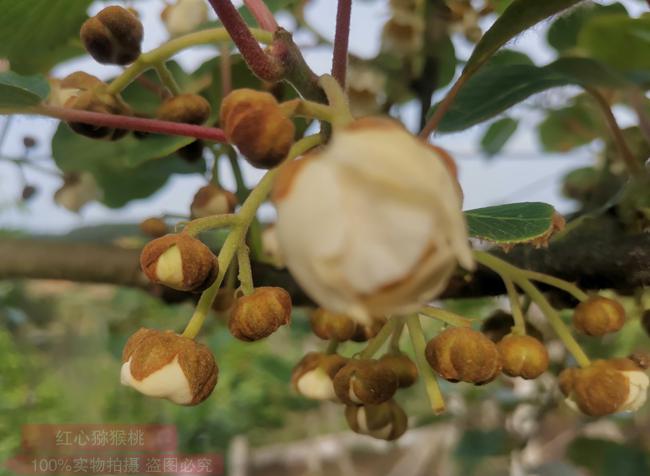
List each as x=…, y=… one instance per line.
x=372, y=224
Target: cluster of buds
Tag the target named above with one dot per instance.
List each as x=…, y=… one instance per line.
x=605, y=387
x=179, y=261
x=113, y=36
x=167, y=365
x=212, y=200
x=340, y=327
x=254, y=122
x=260, y=314
x=465, y=19
x=403, y=33
x=188, y=109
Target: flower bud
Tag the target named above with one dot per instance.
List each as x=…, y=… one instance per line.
x=336, y=216
x=523, y=356
x=500, y=323
x=465, y=355
x=605, y=387
x=365, y=332
x=312, y=377
x=254, y=122
x=328, y=325
x=77, y=190
x=403, y=367
x=179, y=261
x=186, y=108
x=366, y=88
x=153, y=227
x=167, y=365
x=365, y=381
x=184, y=16
x=386, y=421
x=212, y=200
x=260, y=314
x=403, y=33
x=113, y=36
x=598, y=316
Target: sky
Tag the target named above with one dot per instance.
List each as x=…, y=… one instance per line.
x=520, y=173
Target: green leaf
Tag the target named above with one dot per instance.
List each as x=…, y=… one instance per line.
x=563, y=33
x=35, y=35
x=618, y=40
x=518, y=17
x=121, y=176
x=608, y=458
x=22, y=91
x=512, y=223
x=570, y=127
x=497, y=135
x=497, y=88
x=506, y=57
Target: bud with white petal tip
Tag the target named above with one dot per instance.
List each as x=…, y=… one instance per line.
x=167, y=365
x=312, y=377
x=184, y=16
x=337, y=211
x=365, y=381
x=179, y=261
x=386, y=421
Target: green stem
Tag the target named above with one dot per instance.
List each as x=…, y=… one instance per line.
x=429, y=379
x=148, y=60
x=167, y=78
x=242, y=189
x=332, y=346
x=309, y=109
x=520, y=323
x=237, y=234
x=255, y=239
x=519, y=277
x=397, y=334
x=245, y=271
x=337, y=99
x=199, y=225
x=376, y=342
x=570, y=288
x=445, y=316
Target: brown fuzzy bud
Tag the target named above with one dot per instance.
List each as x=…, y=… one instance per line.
x=365, y=332
x=179, y=261
x=386, y=421
x=260, y=314
x=328, y=325
x=167, y=365
x=153, y=227
x=312, y=377
x=113, y=36
x=465, y=355
x=598, y=316
x=365, y=381
x=605, y=387
x=254, y=122
x=523, y=356
x=402, y=366
x=186, y=108
x=500, y=323
x=212, y=200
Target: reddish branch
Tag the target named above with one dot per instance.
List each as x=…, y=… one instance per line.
x=264, y=66
x=262, y=14
x=341, y=41
x=133, y=123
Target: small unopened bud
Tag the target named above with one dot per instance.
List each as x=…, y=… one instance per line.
x=598, y=316
x=386, y=421
x=28, y=192
x=113, y=36
x=402, y=366
x=328, y=325
x=179, y=261
x=77, y=190
x=167, y=365
x=500, y=323
x=465, y=355
x=605, y=387
x=253, y=121
x=153, y=227
x=212, y=200
x=184, y=16
x=260, y=314
x=312, y=377
x=365, y=381
x=365, y=332
x=523, y=356
x=186, y=108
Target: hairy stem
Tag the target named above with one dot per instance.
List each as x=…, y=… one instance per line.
x=429, y=379
x=167, y=78
x=558, y=283
x=448, y=317
x=341, y=41
x=376, y=342
x=131, y=123
x=199, y=225
x=337, y=99
x=262, y=14
x=245, y=272
x=517, y=315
